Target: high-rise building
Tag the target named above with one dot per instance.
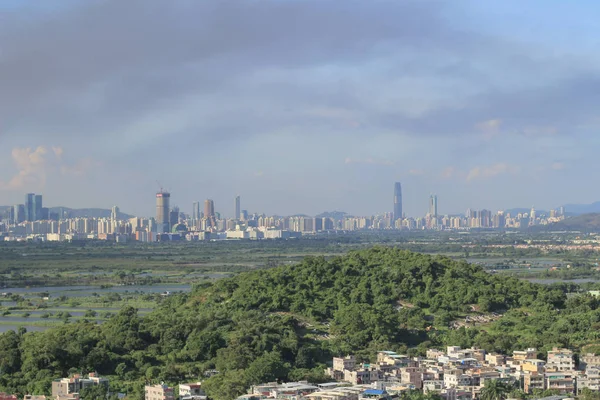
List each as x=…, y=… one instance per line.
x=114, y=213
x=173, y=217
x=209, y=208
x=162, y=211
x=195, y=211
x=397, y=201
x=19, y=212
x=38, y=208
x=30, y=207
x=238, y=209
x=433, y=205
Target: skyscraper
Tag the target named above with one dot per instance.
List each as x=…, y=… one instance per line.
x=19, y=212
x=114, y=214
x=397, y=201
x=38, y=208
x=162, y=211
x=30, y=207
x=209, y=208
x=433, y=205
x=238, y=209
x=173, y=217
x=195, y=212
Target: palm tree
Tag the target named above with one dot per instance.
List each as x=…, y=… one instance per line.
x=495, y=390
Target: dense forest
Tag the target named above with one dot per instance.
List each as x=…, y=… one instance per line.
x=286, y=322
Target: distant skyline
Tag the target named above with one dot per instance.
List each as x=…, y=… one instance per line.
x=299, y=106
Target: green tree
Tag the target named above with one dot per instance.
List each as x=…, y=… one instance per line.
x=495, y=389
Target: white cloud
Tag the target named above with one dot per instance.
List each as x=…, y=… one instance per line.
x=486, y=172
x=35, y=165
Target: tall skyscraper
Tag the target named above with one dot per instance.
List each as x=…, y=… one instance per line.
x=162, y=211
x=397, y=201
x=114, y=213
x=173, y=217
x=209, y=208
x=433, y=205
x=38, y=208
x=195, y=212
x=238, y=208
x=30, y=207
x=19, y=212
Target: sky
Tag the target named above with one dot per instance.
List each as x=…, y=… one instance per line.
x=300, y=106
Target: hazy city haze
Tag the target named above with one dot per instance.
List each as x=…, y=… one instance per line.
x=299, y=106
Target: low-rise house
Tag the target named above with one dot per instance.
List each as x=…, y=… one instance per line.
x=534, y=381
x=433, y=386
x=364, y=375
x=495, y=359
x=563, y=382
x=70, y=388
x=159, y=392
x=412, y=376
x=519, y=356
x=191, y=391
x=533, y=365
x=455, y=378
x=34, y=397
x=589, y=360
x=589, y=379
x=284, y=390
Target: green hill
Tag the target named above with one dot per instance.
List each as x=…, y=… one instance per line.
x=286, y=322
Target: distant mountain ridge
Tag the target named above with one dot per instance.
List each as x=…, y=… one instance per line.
x=579, y=209
x=582, y=223
x=336, y=215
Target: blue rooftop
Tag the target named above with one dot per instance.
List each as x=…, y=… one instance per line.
x=374, y=392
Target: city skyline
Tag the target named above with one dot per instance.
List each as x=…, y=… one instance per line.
x=164, y=209
x=474, y=104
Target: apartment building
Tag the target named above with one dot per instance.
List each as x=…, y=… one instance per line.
x=533, y=365
x=560, y=360
x=191, y=391
x=159, y=392
x=519, y=356
x=533, y=381
x=589, y=379
x=563, y=382
x=589, y=360
x=70, y=388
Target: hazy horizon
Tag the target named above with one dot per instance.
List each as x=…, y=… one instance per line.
x=299, y=106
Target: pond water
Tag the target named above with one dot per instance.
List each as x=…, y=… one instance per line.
x=83, y=291
x=551, y=281
x=535, y=262
x=6, y=328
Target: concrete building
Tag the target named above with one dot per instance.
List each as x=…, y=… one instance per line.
x=159, y=392
x=533, y=381
x=562, y=382
x=162, y=212
x=560, y=360
x=191, y=391
x=70, y=388
x=397, y=201
x=238, y=208
x=589, y=360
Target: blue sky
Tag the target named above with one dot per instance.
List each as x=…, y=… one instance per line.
x=300, y=106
